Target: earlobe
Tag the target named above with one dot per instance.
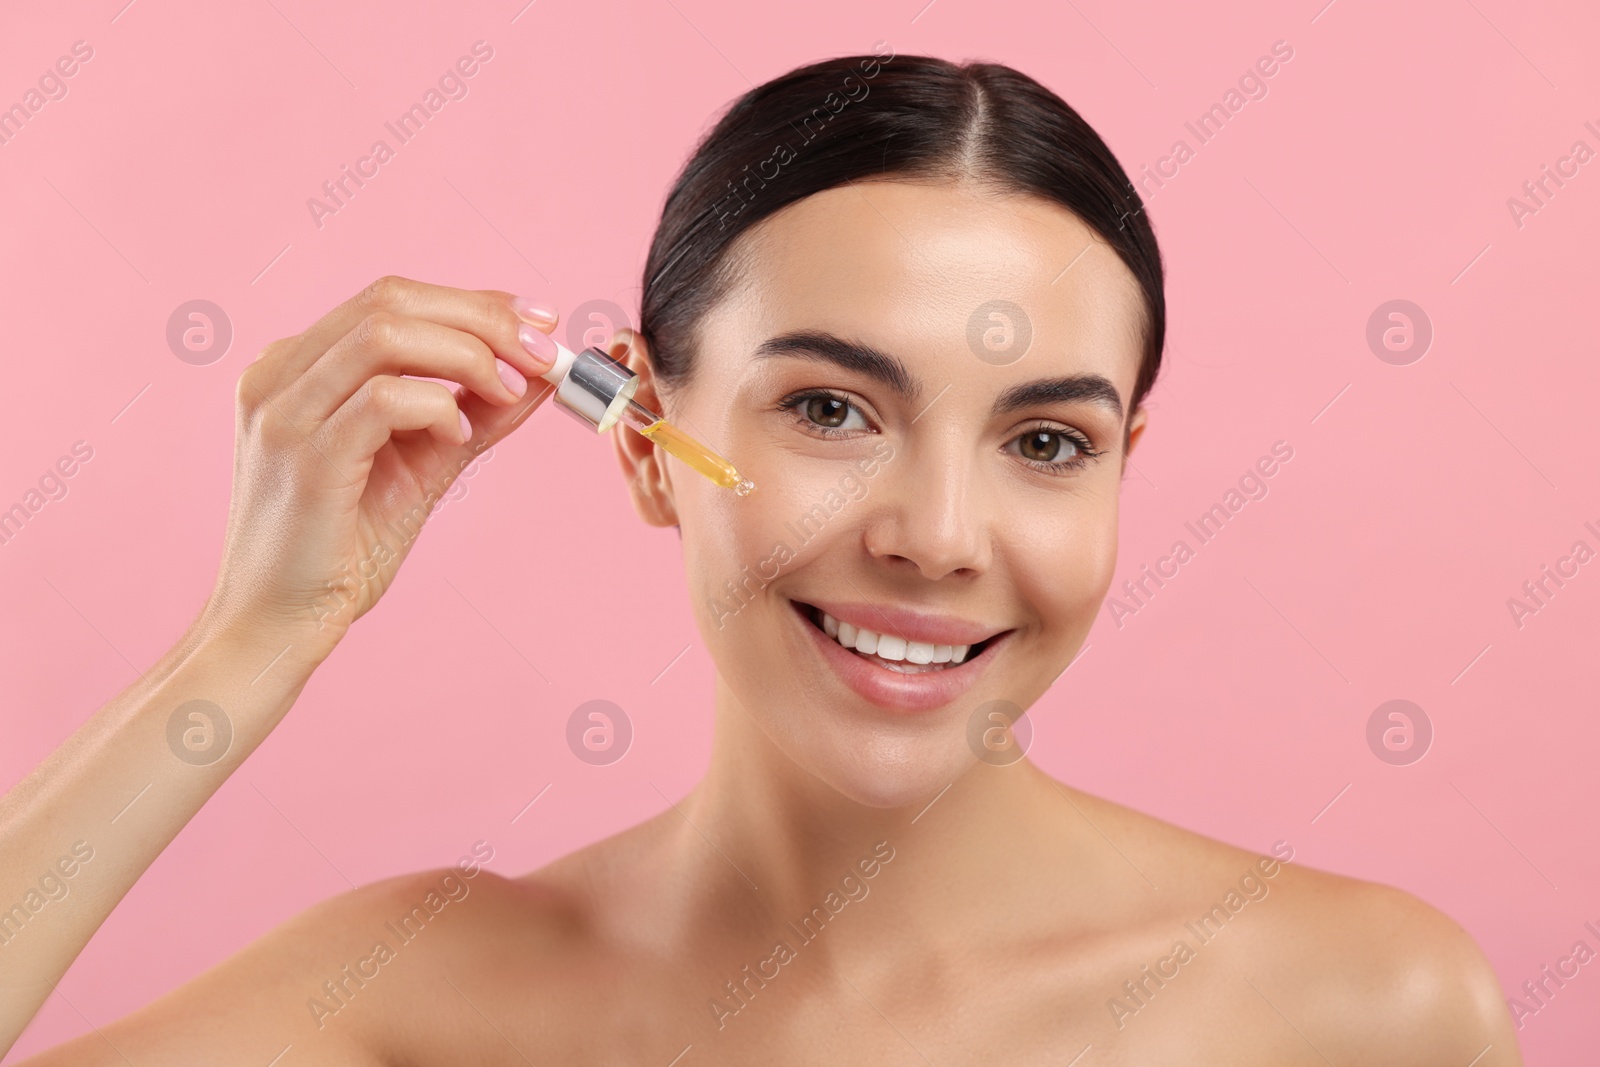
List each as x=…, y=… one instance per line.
x=643, y=464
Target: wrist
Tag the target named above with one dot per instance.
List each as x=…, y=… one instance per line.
x=301, y=643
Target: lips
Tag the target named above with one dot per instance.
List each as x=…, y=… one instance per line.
x=890, y=688
x=901, y=640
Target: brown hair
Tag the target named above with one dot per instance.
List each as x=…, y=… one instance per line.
x=815, y=128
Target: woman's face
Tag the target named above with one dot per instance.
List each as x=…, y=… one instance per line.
x=928, y=385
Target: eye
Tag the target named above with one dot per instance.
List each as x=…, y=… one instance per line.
x=1049, y=448
x=1055, y=450
x=825, y=412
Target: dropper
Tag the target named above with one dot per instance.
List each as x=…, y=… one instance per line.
x=598, y=390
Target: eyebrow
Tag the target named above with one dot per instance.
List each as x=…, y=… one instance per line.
x=824, y=347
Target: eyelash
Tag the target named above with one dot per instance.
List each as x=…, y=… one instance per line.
x=1084, y=447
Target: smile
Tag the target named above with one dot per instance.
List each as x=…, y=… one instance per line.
x=915, y=663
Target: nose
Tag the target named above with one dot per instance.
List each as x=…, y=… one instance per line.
x=930, y=518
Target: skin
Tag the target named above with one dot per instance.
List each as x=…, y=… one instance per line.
x=979, y=912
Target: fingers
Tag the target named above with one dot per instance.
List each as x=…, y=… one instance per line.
x=491, y=422
x=384, y=343
x=461, y=423
x=494, y=316
x=382, y=405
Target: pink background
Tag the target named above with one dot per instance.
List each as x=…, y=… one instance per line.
x=1378, y=167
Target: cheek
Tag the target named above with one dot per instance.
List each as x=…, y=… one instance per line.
x=1066, y=562
x=725, y=538
x=735, y=547
x=745, y=541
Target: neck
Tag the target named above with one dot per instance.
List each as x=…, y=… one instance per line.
x=786, y=838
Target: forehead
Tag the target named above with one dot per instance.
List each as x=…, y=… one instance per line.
x=910, y=267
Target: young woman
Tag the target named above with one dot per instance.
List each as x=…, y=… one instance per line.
x=921, y=306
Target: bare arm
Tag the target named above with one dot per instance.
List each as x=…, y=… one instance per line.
x=338, y=460
x=83, y=827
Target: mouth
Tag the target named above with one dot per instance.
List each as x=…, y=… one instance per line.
x=912, y=664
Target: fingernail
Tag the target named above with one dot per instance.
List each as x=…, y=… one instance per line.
x=512, y=377
x=466, y=428
x=538, y=344
x=530, y=310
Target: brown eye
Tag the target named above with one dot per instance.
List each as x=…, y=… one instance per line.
x=1040, y=446
x=826, y=411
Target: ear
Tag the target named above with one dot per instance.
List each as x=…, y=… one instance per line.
x=643, y=465
x=1135, y=430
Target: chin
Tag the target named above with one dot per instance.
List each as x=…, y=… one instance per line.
x=883, y=732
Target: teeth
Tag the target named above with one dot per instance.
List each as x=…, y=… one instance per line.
x=891, y=647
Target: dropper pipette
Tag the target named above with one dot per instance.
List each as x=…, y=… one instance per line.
x=598, y=390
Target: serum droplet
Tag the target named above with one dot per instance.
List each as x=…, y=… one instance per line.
x=745, y=487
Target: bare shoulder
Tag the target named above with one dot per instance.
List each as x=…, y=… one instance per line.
x=441, y=964
x=1364, y=971
x=1405, y=982
x=360, y=979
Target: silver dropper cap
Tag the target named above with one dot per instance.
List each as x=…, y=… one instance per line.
x=596, y=388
